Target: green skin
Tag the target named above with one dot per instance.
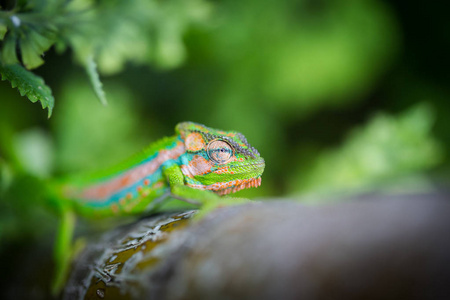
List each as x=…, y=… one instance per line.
x=197, y=165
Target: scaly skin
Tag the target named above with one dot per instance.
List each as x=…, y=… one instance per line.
x=196, y=165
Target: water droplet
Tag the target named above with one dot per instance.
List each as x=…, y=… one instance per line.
x=101, y=293
x=15, y=20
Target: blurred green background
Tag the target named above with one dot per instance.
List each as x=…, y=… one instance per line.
x=339, y=97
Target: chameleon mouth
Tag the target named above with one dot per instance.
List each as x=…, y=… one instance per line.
x=240, y=185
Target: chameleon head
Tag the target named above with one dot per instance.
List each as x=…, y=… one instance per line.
x=220, y=161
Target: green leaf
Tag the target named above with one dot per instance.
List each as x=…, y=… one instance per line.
x=29, y=85
x=8, y=54
x=30, y=56
x=40, y=42
x=91, y=69
x=34, y=46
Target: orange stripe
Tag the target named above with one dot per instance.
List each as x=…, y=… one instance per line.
x=107, y=189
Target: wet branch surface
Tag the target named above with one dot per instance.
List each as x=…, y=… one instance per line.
x=376, y=247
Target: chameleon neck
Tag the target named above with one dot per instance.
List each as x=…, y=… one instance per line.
x=128, y=188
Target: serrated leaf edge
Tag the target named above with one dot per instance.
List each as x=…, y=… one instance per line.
x=26, y=90
x=91, y=69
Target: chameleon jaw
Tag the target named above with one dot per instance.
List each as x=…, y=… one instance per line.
x=240, y=185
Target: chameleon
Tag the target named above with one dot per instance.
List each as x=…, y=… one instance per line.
x=198, y=165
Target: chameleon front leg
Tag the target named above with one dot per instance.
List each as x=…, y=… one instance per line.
x=63, y=248
x=175, y=178
x=207, y=200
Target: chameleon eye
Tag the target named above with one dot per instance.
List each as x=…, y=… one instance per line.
x=219, y=151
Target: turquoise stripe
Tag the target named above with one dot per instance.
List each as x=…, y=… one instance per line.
x=132, y=189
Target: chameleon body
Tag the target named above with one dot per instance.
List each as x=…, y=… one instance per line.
x=206, y=158
x=198, y=165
